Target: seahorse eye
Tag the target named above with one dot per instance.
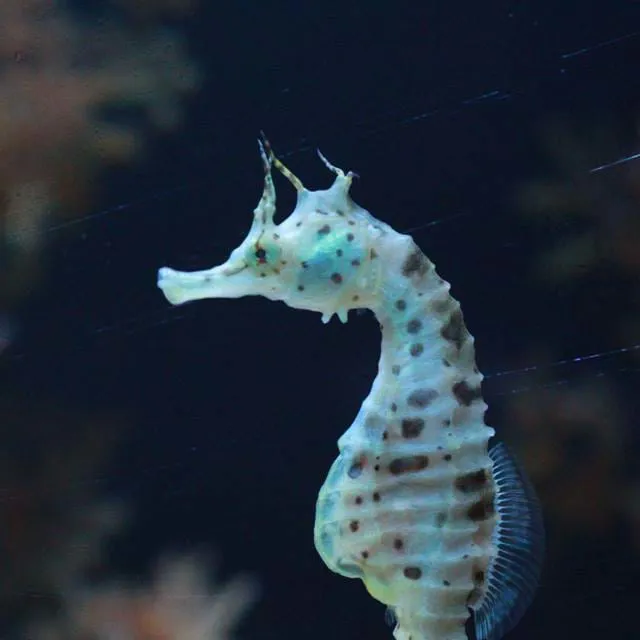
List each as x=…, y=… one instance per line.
x=261, y=255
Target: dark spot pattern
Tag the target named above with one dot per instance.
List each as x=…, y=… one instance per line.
x=414, y=326
x=412, y=427
x=412, y=573
x=416, y=349
x=454, y=329
x=354, y=525
x=447, y=457
x=441, y=518
x=358, y=500
x=442, y=305
x=466, y=394
x=395, y=369
x=364, y=554
x=350, y=237
x=483, y=509
x=470, y=482
x=408, y=464
x=394, y=407
x=324, y=230
x=478, y=576
x=401, y=305
x=300, y=287
x=398, y=544
x=415, y=263
x=446, y=583
x=421, y=398
x=336, y=278
x=355, y=262
x=373, y=254
x=376, y=496
x=339, y=253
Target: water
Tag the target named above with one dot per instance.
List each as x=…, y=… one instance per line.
x=139, y=436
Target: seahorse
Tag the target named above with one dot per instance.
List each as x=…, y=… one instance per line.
x=444, y=530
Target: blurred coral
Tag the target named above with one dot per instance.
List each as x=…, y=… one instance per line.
x=51, y=530
x=179, y=605
x=602, y=198
x=577, y=438
x=571, y=440
x=66, y=85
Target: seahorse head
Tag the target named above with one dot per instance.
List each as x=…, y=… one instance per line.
x=320, y=258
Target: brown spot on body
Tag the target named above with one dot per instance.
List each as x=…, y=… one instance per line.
x=373, y=254
x=355, y=262
x=394, y=407
x=412, y=427
x=470, y=482
x=454, y=329
x=358, y=500
x=354, y=525
x=416, y=349
x=416, y=263
x=364, y=554
x=414, y=326
x=324, y=230
x=421, y=398
x=401, y=305
x=412, y=573
x=466, y=394
x=398, y=544
x=447, y=457
x=483, y=509
x=336, y=278
x=350, y=237
x=408, y=464
x=376, y=496
x=442, y=305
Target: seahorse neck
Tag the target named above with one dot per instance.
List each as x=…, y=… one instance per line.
x=427, y=362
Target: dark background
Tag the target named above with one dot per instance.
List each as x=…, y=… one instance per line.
x=235, y=406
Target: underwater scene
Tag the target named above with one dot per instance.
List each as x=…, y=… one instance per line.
x=319, y=320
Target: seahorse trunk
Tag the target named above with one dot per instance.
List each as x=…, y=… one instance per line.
x=413, y=509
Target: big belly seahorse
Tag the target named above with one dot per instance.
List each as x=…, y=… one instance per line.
x=437, y=525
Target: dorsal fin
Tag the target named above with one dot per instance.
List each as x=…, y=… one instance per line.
x=519, y=541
